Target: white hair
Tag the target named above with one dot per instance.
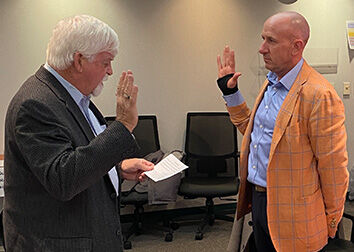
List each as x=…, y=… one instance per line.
x=83, y=34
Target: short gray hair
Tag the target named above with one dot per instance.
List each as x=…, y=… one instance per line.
x=84, y=34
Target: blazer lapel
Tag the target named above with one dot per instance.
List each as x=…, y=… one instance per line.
x=102, y=121
x=287, y=108
x=97, y=113
x=47, y=78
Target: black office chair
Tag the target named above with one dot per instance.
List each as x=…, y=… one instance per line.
x=146, y=135
x=212, y=156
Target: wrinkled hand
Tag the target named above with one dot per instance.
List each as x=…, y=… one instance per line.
x=134, y=168
x=228, y=67
x=127, y=93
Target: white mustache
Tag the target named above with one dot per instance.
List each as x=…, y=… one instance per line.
x=105, y=77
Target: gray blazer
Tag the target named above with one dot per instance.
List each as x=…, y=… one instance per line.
x=58, y=194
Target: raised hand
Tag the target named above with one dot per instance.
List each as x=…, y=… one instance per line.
x=227, y=66
x=127, y=93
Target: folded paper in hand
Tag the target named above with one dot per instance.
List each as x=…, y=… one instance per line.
x=166, y=168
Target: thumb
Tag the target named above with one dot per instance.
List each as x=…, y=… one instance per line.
x=233, y=81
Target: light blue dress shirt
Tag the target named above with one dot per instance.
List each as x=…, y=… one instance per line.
x=266, y=114
x=83, y=102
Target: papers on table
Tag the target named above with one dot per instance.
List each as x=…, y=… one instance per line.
x=166, y=168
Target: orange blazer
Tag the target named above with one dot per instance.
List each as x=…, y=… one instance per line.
x=307, y=177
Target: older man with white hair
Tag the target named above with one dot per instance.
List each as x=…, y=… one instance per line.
x=61, y=175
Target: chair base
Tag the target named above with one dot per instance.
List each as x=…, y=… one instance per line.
x=137, y=228
x=209, y=219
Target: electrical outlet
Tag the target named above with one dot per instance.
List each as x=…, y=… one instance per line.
x=346, y=88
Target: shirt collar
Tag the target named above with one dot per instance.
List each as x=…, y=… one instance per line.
x=73, y=91
x=289, y=78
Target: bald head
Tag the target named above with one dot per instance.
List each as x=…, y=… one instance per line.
x=294, y=24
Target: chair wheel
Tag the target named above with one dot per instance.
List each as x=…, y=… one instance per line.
x=168, y=237
x=127, y=245
x=199, y=236
x=174, y=226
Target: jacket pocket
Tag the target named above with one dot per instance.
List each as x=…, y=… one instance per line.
x=75, y=244
x=310, y=219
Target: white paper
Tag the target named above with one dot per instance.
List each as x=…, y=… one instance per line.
x=350, y=34
x=166, y=168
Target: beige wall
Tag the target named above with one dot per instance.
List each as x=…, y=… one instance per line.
x=171, y=46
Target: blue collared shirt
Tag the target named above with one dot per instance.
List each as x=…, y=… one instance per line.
x=266, y=114
x=83, y=102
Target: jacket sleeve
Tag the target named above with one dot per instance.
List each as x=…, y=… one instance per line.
x=328, y=141
x=240, y=116
x=64, y=166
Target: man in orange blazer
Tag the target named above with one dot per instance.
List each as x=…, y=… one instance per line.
x=293, y=164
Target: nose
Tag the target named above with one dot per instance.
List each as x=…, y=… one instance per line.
x=262, y=49
x=109, y=70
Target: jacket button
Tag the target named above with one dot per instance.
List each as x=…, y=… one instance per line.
x=332, y=224
x=113, y=196
x=118, y=232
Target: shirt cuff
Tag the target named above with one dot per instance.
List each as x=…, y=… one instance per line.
x=234, y=99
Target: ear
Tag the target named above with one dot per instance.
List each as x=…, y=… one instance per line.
x=78, y=61
x=298, y=46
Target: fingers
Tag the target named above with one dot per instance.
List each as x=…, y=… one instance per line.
x=228, y=59
x=125, y=84
x=227, y=64
x=231, y=59
x=128, y=83
x=146, y=165
x=134, y=94
x=134, y=168
x=233, y=81
x=133, y=165
x=218, y=62
x=225, y=54
x=120, y=89
x=141, y=177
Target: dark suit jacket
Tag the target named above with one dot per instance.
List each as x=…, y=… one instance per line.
x=58, y=194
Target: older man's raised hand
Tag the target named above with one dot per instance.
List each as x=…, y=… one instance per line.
x=127, y=93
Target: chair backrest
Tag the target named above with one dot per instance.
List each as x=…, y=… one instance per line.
x=211, y=145
x=146, y=133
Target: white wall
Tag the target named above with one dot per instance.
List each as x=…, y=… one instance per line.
x=171, y=46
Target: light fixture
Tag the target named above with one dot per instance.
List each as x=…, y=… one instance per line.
x=287, y=1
